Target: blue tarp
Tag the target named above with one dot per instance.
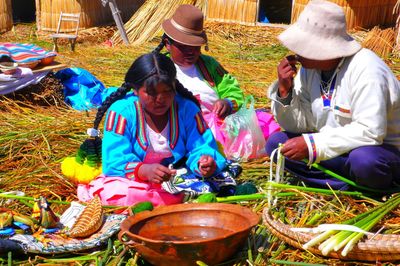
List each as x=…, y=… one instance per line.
x=82, y=90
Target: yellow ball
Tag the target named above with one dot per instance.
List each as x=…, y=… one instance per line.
x=68, y=167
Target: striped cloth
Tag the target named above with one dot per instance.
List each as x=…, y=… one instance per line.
x=23, y=52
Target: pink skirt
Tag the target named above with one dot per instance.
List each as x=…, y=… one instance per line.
x=119, y=191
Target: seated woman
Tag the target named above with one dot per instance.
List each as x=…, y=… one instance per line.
x=149, y=132
x=217, y=90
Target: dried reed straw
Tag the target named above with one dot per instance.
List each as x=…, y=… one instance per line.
x=146, y=22
x=380, y=41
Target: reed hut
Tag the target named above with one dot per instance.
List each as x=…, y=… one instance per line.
x=93, y=13
x=6, y=19
x=249, y=12
x=359, y=13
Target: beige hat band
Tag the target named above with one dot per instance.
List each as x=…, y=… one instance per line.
x=184, y=29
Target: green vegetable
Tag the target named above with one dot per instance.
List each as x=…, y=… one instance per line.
x=207, y=198
x=142, y=206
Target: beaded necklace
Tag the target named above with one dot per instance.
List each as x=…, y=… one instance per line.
x=327, y=88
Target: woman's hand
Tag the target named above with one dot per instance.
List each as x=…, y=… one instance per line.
x=286, y=72
x=222, y=108
x=207, y=165
x=155, y=173
x=295, y=149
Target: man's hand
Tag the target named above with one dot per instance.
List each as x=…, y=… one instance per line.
x=155, y=173
x=207, y=165
x=222, y=108
x=295, y=149
x=286, y=71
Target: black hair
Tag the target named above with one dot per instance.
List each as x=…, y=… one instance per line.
x=147, y=70
x=164, y=38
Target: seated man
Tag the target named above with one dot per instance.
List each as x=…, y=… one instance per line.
x=341, y=110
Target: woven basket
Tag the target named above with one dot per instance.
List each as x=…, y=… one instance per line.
x=380, y=247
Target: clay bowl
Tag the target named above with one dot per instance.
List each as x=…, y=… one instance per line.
x=47, y=60
x=31, y=64
x=182, y=234
x=8, y=68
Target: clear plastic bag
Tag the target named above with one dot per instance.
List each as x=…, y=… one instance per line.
x=244, y=138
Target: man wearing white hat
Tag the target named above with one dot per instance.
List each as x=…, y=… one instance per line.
x=341, y=110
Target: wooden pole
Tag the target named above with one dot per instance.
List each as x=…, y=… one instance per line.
x=38, y=14
x=117, y=18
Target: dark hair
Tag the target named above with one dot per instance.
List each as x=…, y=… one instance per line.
x=164, y=38
x=147, y=70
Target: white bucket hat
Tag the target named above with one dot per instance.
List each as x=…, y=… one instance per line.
x=320, y=33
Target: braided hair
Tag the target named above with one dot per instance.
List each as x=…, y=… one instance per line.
x=161, y=45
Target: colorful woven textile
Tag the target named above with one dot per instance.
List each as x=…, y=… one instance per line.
x=55, y=243
x=23, y=52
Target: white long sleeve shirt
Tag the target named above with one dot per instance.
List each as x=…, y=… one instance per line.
x=364, y=109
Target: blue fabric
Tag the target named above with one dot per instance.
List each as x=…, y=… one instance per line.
x=376, y=167
x=82, y=90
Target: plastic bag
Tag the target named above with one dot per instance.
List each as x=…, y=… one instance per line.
x=215, y=124
x=82, y=90
x=244, y=138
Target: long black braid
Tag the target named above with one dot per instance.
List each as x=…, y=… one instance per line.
x=90, y=149
x=158, y=49
x=113, y=97
x=186, y=93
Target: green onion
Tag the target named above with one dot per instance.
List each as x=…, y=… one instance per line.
x=352, y=183
x=337, y=239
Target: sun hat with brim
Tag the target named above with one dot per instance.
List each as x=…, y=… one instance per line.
x=320, y=33
x=186, y=26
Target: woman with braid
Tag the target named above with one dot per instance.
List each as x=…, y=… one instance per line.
x=217, y=90
x=153, y=124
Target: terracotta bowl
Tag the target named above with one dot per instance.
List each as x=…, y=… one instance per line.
x=8, y=68
x=30, y=65
x=47, y=60
x=182, y=234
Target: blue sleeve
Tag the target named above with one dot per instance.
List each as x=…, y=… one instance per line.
x=200, y=140
x=118, y=154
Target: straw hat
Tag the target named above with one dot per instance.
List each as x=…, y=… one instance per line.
x=320, y=33
x=186, y=26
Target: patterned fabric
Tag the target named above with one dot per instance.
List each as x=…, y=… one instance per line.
x=192, y=185
x=23, y=52
x=56, y=243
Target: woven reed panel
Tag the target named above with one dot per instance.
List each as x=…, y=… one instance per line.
x=233, y=11
x=359, y=13
x=6, y=19
x=92, y=12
